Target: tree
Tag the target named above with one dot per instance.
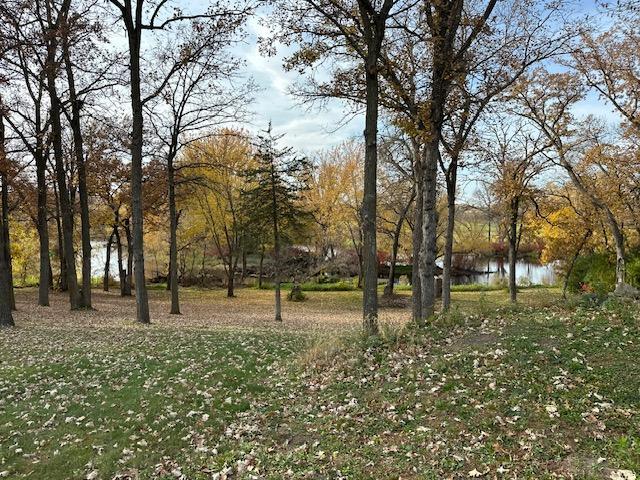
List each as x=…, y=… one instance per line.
x=397, y=197
x=546, y=99
x=522, y=35
x=199, y=96
x=6, y=282
x=516, y=157
x=222, y=162
x=78, y=34
x=335, y=198
x=160, y=17
x=54, y=21
x=26, y=113
x=274, y=194
x=355, y=31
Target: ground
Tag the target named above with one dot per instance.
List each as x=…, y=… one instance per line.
x=542, y=390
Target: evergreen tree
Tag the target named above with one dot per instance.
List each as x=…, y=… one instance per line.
x=273, y=197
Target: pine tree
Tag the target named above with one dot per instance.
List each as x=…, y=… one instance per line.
x=273, y=197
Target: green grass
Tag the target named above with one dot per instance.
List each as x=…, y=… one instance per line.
x=540, y=389
x=124, y=400
x=542, y=393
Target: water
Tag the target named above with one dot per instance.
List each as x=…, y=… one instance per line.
x=496, y=270
x=99, y=257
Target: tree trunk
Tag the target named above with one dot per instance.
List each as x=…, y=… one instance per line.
x=58, y=154
x=85, y=228
x=416, y=290
x=7, y=297
x=276, y=246
x=448, y=244
x=128, y=277
x=369, y=243
x=122, y=274
x=134, y=37
x=107, y=263
x=586, y=236
x=230, y=278
x=513, y=251
x=6, y=287
x=173, y=240
x=429, y=232
x=45, y=279
x=4, y=230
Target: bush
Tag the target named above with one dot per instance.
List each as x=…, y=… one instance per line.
x=633, y=270
x=296, y=295
x=594, y=273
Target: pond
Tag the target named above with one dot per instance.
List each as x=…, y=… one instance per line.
x=489, y=271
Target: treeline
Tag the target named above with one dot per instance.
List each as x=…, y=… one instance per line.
x=491, y=88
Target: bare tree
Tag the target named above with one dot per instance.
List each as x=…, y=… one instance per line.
x=202, y=94
x=137, y=17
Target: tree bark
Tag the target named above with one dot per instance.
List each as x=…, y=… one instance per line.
x=369, y=243
x=6, y=284
x=62, y=279
x=45, y=279
x=7, y=297
x=429, y=232
x=4, y=231
x=134, y=35
x=78, y=148
x=416, y=290
x=230, y=282
x=173, y=239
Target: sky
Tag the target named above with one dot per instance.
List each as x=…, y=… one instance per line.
x=308, y=129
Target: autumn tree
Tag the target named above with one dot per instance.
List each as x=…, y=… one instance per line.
x=26, y=112
x=335, y=200
x=516, y=158
x=522, y=35
x=204, y=93
x=220, y=164
x=546, y=100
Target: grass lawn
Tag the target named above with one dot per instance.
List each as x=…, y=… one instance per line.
x=540, y=390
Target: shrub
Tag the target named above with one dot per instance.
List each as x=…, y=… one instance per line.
x=594, y=273
x=296, y=294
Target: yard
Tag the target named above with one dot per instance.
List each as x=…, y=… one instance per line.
x=541, y=390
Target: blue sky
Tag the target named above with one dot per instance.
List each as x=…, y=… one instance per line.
x=308, y=129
